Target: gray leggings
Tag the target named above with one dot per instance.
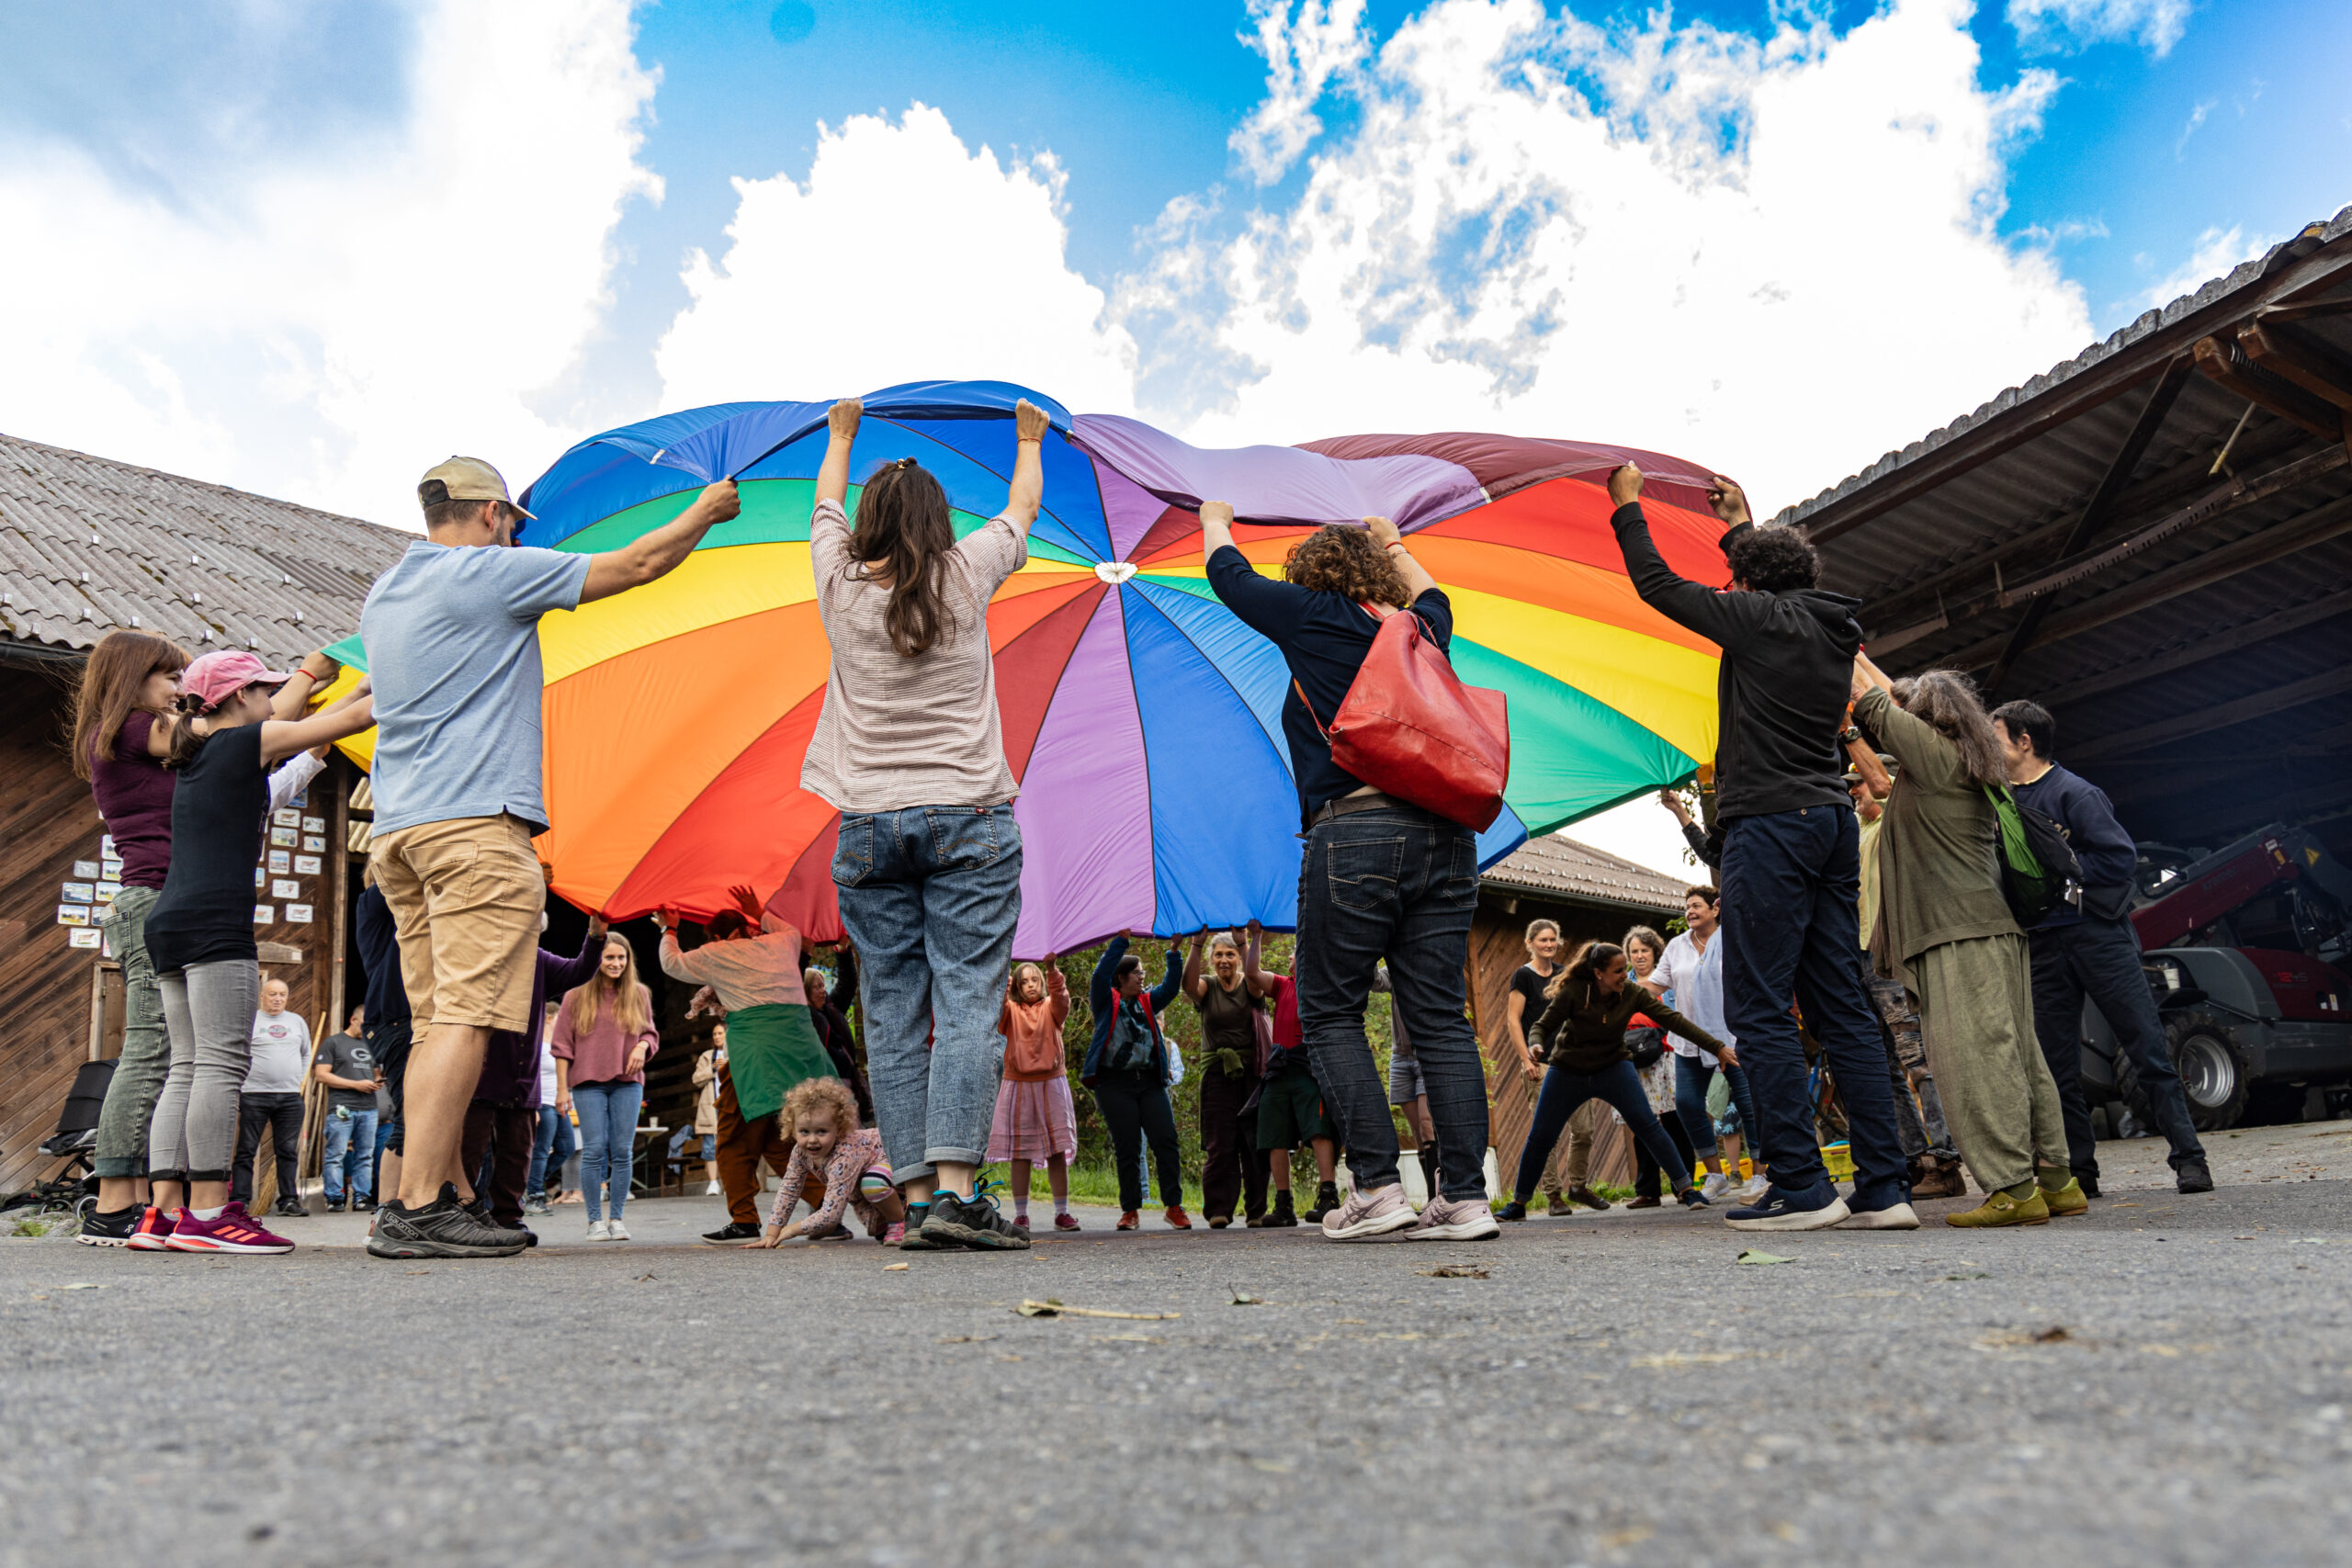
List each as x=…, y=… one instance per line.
x=208, y=1011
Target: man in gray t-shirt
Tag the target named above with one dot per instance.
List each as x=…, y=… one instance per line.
x=452, y=644
x=347, y=1066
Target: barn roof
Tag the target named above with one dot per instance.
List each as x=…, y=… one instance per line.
x=88, y=545
x=1559, y=867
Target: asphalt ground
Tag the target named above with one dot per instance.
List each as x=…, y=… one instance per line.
x=2163, y=1382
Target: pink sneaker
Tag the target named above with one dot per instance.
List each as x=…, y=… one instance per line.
x=1444, y=1219
x=1368, y=1215
x=154, y=1232
x=1066, y=1222
x=234, y=1231
x=895, y=1235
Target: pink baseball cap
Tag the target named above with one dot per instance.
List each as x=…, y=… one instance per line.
x=217, y=677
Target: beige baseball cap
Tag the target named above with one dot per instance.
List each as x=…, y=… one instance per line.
x=467, y=479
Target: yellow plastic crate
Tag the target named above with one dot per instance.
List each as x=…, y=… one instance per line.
x=1839, y=1158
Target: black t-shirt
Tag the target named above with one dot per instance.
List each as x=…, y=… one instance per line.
x=1529, y=983
x=348, y=1057
x=1323, y=638
x=206, y=912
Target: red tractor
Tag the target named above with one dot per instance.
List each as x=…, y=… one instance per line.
x=2244, y=948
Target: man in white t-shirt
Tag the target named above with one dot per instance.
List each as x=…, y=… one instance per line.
x=1691, y=974
x=271, y=1098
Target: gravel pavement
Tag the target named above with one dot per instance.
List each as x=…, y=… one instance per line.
x=2164, y=1382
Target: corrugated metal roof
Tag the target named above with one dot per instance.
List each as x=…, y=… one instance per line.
x=88, y=545
x=1561, y=867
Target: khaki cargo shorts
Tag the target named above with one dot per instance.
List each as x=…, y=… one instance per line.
x=466, y=898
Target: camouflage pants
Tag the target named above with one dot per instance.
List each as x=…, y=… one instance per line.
x=1919, y=1114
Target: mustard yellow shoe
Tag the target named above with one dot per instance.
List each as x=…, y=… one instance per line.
x=2000, y=1208
x=2063, y=1202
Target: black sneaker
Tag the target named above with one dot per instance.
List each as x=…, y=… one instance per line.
x=362, y=1204
x=973, y=1223
x=915, y=1241
x=1283, y=1216
x=291, y=1209
x=443, y=1228
x=334, y=1205
x=1327, y=1198
x=2193, y=1177
x=1514, y=1209
x=734, y=1233
x=109, y=1230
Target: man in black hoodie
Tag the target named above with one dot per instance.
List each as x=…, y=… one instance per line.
x=1791, y=873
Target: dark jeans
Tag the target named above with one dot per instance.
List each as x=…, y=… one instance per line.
x=496, y=1146
x=281, y=1115
x=1792, y=885
x=391, y=1044
x=1646, y=1169
x=1693, y=1076
x=2100, y=959
x=1231, y=1166
x=387, y=1130
x=1564, y=1091
x=1135, y=1107
x=1398, y=883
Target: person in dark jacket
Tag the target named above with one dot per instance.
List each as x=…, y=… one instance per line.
x=1584, y=1025
x=1127, y=1067
x=1792, y=872
x=2094, y=951
x=390, y=1032
x=502, y=1119
x=834, y=1034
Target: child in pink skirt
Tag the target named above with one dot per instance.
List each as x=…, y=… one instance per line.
x=1035, y=1122
x=828, y=1143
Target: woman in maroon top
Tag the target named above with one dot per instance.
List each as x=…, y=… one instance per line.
x=604, y=1036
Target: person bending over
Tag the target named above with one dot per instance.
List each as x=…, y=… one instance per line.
x=828, y=1145
x=1564, y=1181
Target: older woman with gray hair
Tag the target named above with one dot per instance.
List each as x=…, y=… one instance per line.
x=1945, y=931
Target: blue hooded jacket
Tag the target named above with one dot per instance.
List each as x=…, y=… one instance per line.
x=1099, y=996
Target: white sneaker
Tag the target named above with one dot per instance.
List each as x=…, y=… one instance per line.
x=615, y=1231
x=1893, y=1217
x=599, y=1231
x=1758, y=1185
x=711, y=1190
x=1715, y=1186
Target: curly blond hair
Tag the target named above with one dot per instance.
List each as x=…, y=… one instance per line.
x=812, y=1097
x=1341, y=557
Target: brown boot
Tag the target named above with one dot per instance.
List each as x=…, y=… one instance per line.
x=1941, y=1179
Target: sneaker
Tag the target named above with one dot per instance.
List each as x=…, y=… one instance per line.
x=1219, y=1221
x=1893, y=1217
x=711, y=1190
x=1514, y=1209
x=362, y=1204
x=1779, y=1211
x=973, y=1222
x=1585, y=1195
x=478, y=1207
x=1715, y=1186
x=1999, y=1209
x=599, y=1231
x=234, y=1231
x=1067, y=1221
x=1284, y=1215
x=734, y=1233
x=1758, y=1186
x=530, y=1237
x=334, y=1205
x=1176, y=1217
x=1447, y=1219
x=895, y=1235
x=1020, y=1223
x=1692, y=1198
x=290, y=1208
x=2066, y=1202
x=1327, y=1198
x=2192, y=1177
x=111, y=1230
x=1368, y=1215
x=154, y=1231
x=439, y=1229
x=614, y=1230
x=1129, y=1220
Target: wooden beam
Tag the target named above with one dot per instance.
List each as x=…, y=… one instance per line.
x=2120, y=470
x=2228, y=369
x=2213, y=645
x=2275, y=543
x=2299, y=360
x=2277, y=699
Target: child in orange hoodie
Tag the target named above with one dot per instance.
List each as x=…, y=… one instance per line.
x=1036, y=1121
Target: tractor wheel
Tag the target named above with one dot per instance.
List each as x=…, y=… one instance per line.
x=2212, y=1072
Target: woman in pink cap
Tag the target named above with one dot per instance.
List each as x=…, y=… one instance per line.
x=200, y=933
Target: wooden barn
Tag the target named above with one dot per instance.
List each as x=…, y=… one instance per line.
x=1592, y=894
x=87, y=546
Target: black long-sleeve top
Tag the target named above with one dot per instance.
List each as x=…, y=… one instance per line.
x=1585, y=1030
x=2108, y=856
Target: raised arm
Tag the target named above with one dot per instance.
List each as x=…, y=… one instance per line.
x=1254, y=973
x=1196, y=985
x=1865, y=758
x=1718, y=617
x=1170, y=982
x=1056, y=990
x=1418, y=580
x=841, y=425
x=280, y=738
x=658, y=552
x=1027, y=491
x=314, y=672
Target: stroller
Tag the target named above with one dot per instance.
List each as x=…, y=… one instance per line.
x=75, y=1186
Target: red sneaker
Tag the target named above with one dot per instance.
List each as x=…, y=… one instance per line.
x=1021, y=1222
x=1177, y=1219
x=1066, y=1222
x=234, y=1231
x=1128, y=1221
x=154, y=1232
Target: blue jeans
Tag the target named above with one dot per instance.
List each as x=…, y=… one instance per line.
x=608, y=1142
x=351, y=1148
x=1396, y=883
x=1792, y=890
x=928, y=897
x=1693, y=1076
x=550, y=1148
x=1618, y=1084
x=386, y=1130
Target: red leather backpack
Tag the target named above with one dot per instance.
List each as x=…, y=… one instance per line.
x=1411, y=729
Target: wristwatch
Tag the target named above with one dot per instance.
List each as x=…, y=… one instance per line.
x=1850, y=734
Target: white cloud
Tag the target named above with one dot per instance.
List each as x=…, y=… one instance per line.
x=2064, y=25
x=1775, y=255
x=1305, y=48
x=2218, y=251
x=324, y=326
x=903, y=256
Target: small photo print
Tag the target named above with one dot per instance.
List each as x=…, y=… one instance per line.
x=106, y=891
x=298, y=914
x=263, y=915
x=88, y=936
x=314, y=824
x=284, y=887
x=87, y=870
x=73, y=914
x=286, y=818
x=281, y=862
x=261, y=879
x=78, y=893
x=306, y=865
x=112, y=869
x=282, y=838
x=313, y=844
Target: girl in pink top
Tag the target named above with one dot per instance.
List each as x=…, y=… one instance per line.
x=604, y=1036
x=827, y=1142
x=1036, y=1121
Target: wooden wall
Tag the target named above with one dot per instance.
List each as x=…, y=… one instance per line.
x=58, y=1001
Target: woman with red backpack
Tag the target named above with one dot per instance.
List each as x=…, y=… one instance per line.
x=1127, y=1067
